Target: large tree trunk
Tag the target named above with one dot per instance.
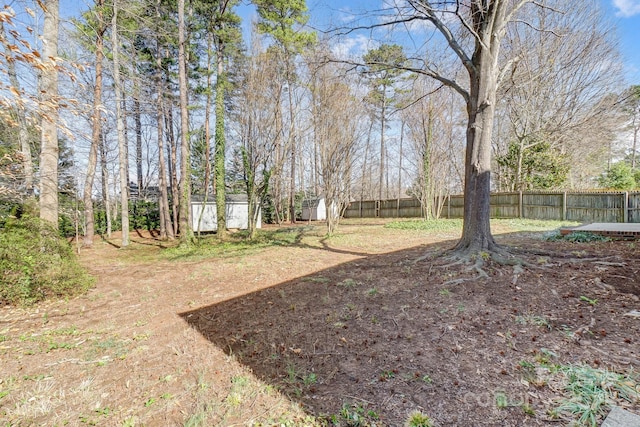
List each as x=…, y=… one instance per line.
x=96, y=129
x=185, y=174
x=120, y=124
x=476, y=232
x=49, y=108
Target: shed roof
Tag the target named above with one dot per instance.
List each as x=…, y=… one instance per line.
x=312, y=202
x=211, y=198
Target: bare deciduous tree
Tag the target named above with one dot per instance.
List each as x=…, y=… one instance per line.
x=260, y=128
x=335, y=111
x=434, y=139
x=474, y=33
x=557, y=94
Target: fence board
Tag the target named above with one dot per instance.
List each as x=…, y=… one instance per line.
x=581, y=207
x=547, y=206
x=634, y=207
x=505, y=205
x=595, y=207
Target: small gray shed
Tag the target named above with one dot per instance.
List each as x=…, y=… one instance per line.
x=237, y=213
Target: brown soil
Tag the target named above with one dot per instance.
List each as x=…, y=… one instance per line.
x=367, y=325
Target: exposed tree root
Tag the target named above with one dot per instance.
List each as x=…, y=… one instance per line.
x=476, y=260
x=454, y=282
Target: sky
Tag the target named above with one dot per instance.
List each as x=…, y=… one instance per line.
x=625, y=14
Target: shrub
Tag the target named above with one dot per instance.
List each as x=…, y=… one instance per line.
x=577, y=237
x=620, y=176
x=36, y=263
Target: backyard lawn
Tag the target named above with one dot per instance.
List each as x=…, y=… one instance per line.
x=370, y=327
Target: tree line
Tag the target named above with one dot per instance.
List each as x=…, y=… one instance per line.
x=174, y=100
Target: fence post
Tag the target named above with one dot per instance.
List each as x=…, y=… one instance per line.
x=520, y=205
x=449, y=206
x=564, y=206
x=625, y=206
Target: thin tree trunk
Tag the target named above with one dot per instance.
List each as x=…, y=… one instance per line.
x=173, y=165
x=96, y=129
x=400, y=166
x=517, y=183
x=429, y=185
x=220, y=147
x=106, y=199
x=364, y=165
x=166, y=226
x=138, y=123
x=635, y=146
x=382, y=148
x=49, y=125
x=292, y=144
x=185, y=174
x=120, y=124
x=207, y=131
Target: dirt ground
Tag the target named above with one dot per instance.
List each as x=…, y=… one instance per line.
x=359, y=329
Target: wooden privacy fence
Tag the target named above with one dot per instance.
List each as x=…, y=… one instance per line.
x=562, y=206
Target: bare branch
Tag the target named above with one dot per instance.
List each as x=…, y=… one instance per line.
x=542, y=30
x=510, y=16
x=417, y=100
x=425, y=7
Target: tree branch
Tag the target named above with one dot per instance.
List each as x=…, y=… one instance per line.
x=425, y=7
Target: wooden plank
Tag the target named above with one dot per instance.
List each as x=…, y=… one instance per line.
x=619, y=417
x=612, y=230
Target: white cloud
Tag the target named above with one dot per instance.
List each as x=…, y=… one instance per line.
x=627, y=8
x=353, y=47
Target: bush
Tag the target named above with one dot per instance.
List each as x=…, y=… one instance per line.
x=37, y=263
x=577, y=237
x=620, y=176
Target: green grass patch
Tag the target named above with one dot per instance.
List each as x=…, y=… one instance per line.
x=352, y=415
x=526, y=224
x=449, y=225
x=37, y=263
x=238, y=244
x=590, y=392
x=437, y=225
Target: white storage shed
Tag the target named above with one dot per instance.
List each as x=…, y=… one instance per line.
x=315, y=209
x=237, y=213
